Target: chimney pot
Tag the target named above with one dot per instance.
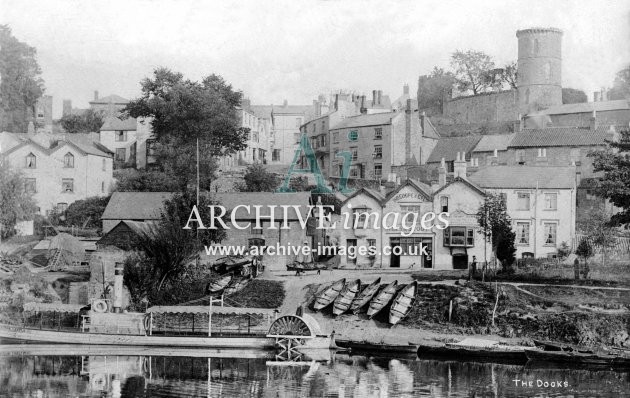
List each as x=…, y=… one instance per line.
x=285, y=103
x=380, y=96
x=95, y=95
x=374, y=97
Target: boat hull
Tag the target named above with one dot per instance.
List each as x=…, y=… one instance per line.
x=346, y=297
x=578, y=359
x=382, y=299
x=328, y=295
x=472, y=354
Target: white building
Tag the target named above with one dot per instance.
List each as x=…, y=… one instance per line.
x=59, y=169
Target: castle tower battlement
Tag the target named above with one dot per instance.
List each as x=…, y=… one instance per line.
x=539, y=76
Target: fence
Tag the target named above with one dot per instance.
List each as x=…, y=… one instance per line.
x=621, y=245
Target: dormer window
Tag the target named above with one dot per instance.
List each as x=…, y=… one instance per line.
x=68, y=160
x=31, y=161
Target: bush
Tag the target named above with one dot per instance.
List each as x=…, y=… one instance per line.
x=144, y=181
x=86, y=213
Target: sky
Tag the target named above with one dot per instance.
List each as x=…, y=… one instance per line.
x=294, y=50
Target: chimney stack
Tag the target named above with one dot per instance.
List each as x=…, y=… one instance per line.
x=285, y=103
x=459, y=167
x=442, y=174
x=603, y=95
x=380, y=96
x=363, y=108
x=406, y=89
x=596, y=96
x=408, y=112
x=95, y=95
x=521, y=122
x=374, y=97
x=593, y=121
x=118, y=287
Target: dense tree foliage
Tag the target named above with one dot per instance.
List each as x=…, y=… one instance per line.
x=16, y=204
x=20, y=82
x=184, y=111
x=432, y=87
x=258, y=179
x=496, y=226
x=584, y=249
x=614, y=185
x=573, y=96
x=86, y=213
x=132, y=180
x=86, y=122
x=471, y=70
x=621, y=85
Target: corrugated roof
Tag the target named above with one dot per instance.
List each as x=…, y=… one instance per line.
x=114, y=99
x=448, y=148
x=525, y=177
x=489, y=143
x=560, y=136
x=113, y=123
x=374, y=119
x=584, y=107
x=148, y=205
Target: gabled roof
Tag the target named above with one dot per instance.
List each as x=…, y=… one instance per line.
x=419, y=186
x=114, y=123
x=374, y=194
x=373, y=119
x=292, y=109
x=464, y=181
x=489, y=143
x=561, y=136
x=114, y=99
x=58, y=142
x=135, y=205
x=525, y=177
x=584, y=107
x=448, y=148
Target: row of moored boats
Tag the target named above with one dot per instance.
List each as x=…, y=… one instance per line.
x=349, y=296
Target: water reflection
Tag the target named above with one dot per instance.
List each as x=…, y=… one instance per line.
x=58, y=371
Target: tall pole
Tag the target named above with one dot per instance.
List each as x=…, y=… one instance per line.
x=197, y=171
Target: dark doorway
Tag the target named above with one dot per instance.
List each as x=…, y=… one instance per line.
x=460, y=261
x=394, y=261
x=351, y=254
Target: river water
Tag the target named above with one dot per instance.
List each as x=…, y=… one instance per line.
x=73, y=371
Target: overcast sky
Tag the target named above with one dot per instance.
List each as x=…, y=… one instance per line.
x=294, y=50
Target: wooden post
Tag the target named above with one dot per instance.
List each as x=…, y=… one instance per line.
x=41, y=320
x=210, y=318
x=193, y=323
x=450, y=309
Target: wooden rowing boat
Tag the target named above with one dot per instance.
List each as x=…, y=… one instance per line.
x=480, y=350
x=295, y=266
x=218, y=284
x=236, y=285
x=382, y=299
x=328, y=295
x=365, y=296
x=402, y=303
x=345, y=298
x=576, y=358
x=366, y=346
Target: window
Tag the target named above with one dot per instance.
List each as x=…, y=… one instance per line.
x=360, y=216
x=542, y=152
x=409, y=209
x=378, y=152
x=121, y=154
x=410, y=246
x=503, y=197
x=104, y=165
x=378, y=170
x=355, y=153
x=520, y=156
x=61, y=207
x=444, y=204
x=323, y=125
x=353, y=135
x=371, y=243
x=31, y=161
x=551, y=201
x=378, y=133
x=522, y=233
x=103, y=186
x=121, y=136
x=322, y=140
x=336, y=137
x=275, y=155
x=30, y=185
x=67, y=185
x=576, y=156
x=459, y=236
x=495, y=153
x=522, y=201
x=536, y=46
x=255, y=136
x=68, y=160
x=354, y=171
x=551, y=230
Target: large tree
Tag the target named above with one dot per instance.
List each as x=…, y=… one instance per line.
x=621, y=85
x=20, y=82
x=183, y=111
x=431, y=87
x=258, y=179
x=496, y=226
x=86, y=122
x=16, y=204
x=501, y=78
x=471, y=70
x=132, y=180
x=614, y=185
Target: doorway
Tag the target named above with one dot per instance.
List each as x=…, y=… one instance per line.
x=351, y=253
x=460, y=261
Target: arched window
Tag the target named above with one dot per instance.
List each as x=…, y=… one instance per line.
x=68, y=160
x=536, y=47
x=31, y=161
x=547, y=71
x=527, y=96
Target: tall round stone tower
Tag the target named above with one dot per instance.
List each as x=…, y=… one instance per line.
x=539, y=76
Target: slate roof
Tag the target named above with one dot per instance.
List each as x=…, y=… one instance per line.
x=114, y=99
x=560, y=136
x=374, y=119
x=489, y=143
x=430, y=131
x=49, y=143
x=262, y=111
x=113, y=123
x=584, y=107
x=447, y=148
x=292, y=109
x=148, y=205
x=525, y=177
